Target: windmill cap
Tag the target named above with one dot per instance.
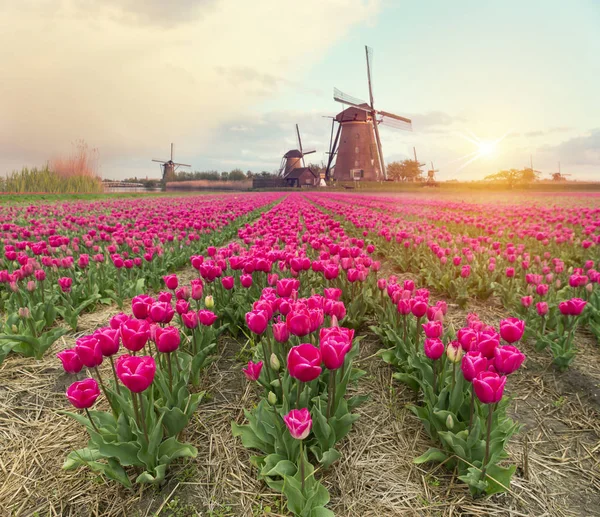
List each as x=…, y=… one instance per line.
x=293, y=153
x=351, y=114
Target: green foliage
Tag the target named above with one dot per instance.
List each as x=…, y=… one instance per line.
x=47, y=181
x=406, y=170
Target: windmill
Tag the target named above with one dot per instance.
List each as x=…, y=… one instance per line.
x=530, y=169
x=294, y=158
x=169, y=167
x=357, y=144
x=431, y=176
x=559, y=176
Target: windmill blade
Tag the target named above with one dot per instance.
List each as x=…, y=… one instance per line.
x=369, y=53
x=344, y=98
x=395, y=121
x=160, y=161
x=332, y=152
x=310, y=151
x=182, y=164
x=300, y=145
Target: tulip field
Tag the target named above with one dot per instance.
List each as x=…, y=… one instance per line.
x=309, y=354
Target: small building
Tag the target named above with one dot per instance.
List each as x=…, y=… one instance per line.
x=301, y=177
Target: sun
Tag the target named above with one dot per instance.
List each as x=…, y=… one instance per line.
x=486, y=148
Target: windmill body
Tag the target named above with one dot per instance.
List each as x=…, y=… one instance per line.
x=293, y=170
x=357, y=156
x=169, y=167
x=357, y=145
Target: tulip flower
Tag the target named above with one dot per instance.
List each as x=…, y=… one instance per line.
x=257, y=321
x=65, y=284
x=252, y=371
x=167, y=339
x=508, y=359
x=109, y=340
x=171, y=281
x=246, y=281
x=136, y=372
x=140, y=306
x=190, y=319
x=280, y=332
x=299, y=424
x=83, y=394
x=206, y=318
x=134, y=334
x=433, y=329
x=227, y=282
x=70, y=360
x=299, y=322
x=115, y=321
x=304, y=362
x=512, y=329
x=89, y=351
x=487, y=342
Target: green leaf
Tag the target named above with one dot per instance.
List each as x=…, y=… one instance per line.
x=433, y=454
x=498, y=478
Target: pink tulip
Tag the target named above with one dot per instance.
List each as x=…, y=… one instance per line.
x=280, y=332
x=83, y=394
x=134, y=334
x=472, y=364
x=89, y=351
x=434, y=348
x=508, y=359
x=135, y=372
x=489, y=387
x=65, y=284
x=257, y=321
x=167, y=339
x=109, y=340
x=299, y=423
x=512, y=329
x=227, y=282
x=206, y=317
x=433, y=329
x=298, y=322
x=304, y=362
x=252, y=371
x=171, y=281
x=70, y=360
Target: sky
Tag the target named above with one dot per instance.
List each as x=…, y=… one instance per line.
x=227, y=80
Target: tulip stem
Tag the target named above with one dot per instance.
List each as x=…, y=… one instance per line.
x=471, y=408
x=104, y=390
x=266, y=359
x=143, y=416
x=170, y=372
x=112, y=363
x=453, y=375
x=331, y=394
x=487, y=442
x=302, y=464
x=91, y=421
x=136, y=409
x=434, y=376
x=299, y=384
x=417, y=335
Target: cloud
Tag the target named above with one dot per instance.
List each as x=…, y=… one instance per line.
x=130, y=76
x=546, y=132
x=434, y=121
x=579, y=150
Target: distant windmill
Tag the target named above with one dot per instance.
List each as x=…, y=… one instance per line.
x=431, y=176
x=169, y=167
x=559, y=176
x=294, y=158
x=530, y=168
x=357, y=145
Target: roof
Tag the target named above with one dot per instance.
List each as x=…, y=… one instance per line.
x=293, y=153
x=352, y=113
x=296, y=173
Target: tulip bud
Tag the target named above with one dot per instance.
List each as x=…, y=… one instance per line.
x=274, y=362
x=272, y=398
x=23, y=312
x=15, y=329
x=449, y=422
x=209, y=302
x=454, y=352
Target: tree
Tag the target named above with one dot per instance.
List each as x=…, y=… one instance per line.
x=237, y=175
x=406, y=170
x=513, y=177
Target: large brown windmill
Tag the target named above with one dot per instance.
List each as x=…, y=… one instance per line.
x=169, y=167
x=357, y=145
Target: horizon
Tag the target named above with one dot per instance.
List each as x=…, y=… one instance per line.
x=144, y=74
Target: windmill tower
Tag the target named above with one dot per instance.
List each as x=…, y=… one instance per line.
x=357, y=145
x=169, y=167
x=294, y=158
x=559, y=176
x=431, y=176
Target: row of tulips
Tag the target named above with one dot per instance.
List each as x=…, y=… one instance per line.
x=303, y=363
x=459, y=381
x=531, y=271
x=149, y=400
x=66, y=259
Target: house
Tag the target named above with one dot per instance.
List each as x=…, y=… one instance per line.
x=301, y=177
